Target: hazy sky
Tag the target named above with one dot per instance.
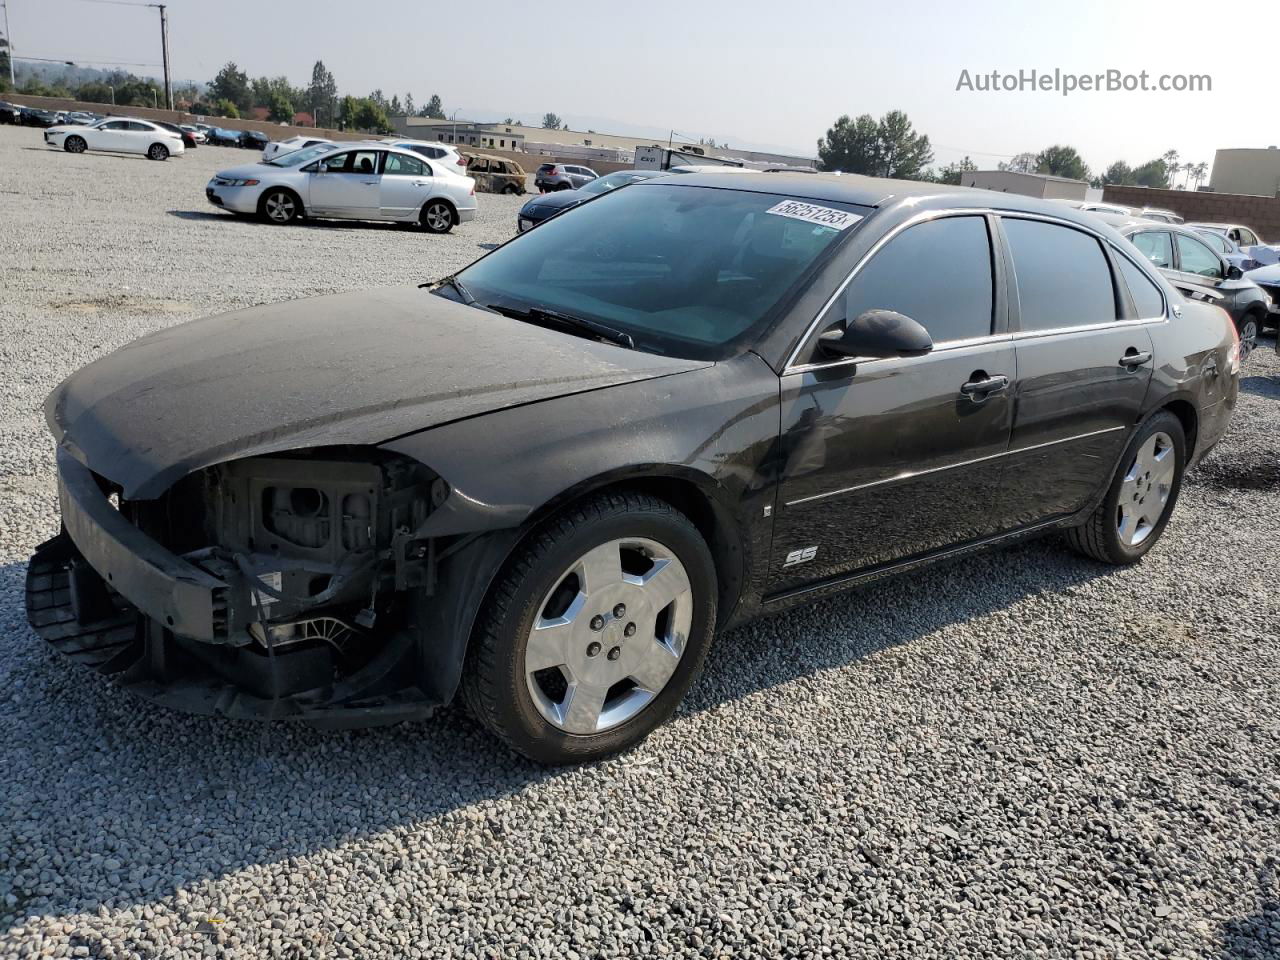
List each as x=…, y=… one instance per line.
x=751, y=70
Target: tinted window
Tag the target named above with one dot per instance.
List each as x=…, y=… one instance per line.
x=364, y=161
x=1146, y=295
x=1061, y=275
x=1156, y=247
x=938, y=273
x=1196, y=258
x=1247, y=238
x=687, y=271
x=398, y=163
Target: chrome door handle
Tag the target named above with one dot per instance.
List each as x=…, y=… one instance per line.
x=978, y=390
x=1133, y=359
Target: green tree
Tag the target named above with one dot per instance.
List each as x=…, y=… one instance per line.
x=408, y=105
x=1119, y=174
x=1198, y=172
x=281, y=108
x=550, y=121
x=95, y=91
x=904, y=154
x=851, y=146
x=322, y=95
x=361, y=113
x=952, y=172
x=1021, y=163
x=434, y=108
x=225, y=108
x=395, y=108
x=232, y=84
x=1062, y=161
x=4, y=64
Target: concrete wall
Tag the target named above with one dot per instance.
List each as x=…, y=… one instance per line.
x=1027, y=184
x=1247, y=171
x=1262, y=214
x=274, y=130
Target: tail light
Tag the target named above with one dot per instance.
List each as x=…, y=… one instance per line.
x=473, y=188
x=462, y=162
x=553, y=172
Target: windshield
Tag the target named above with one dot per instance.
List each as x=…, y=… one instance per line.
x=613, y=181
x=296, y=158
x=686, y=271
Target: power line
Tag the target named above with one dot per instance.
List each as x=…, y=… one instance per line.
x=73, y=61
x=122, y=3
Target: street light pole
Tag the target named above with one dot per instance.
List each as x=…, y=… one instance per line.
x=164, y=49
x=9, y=41
x=454, y=118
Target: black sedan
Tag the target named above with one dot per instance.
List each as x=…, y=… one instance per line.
x=188, y=141
x=253, y=140
x=546, y=482
x=549, y=204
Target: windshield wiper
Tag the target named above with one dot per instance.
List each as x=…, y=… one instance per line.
x=450, y=281
x=567, y=321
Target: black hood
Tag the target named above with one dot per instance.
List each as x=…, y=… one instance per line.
x=356, y=368
x=550, y=203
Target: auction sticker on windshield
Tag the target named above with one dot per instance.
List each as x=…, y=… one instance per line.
x=810, y=213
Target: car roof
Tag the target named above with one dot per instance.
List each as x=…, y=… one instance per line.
x=425, y=143
x=1127, y=225
x=1214, y=226
x=881, y=192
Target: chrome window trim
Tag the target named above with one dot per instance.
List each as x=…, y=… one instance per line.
x=942, y=348
x=925, y=215
x=911, y=474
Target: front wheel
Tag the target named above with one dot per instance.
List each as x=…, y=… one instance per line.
x=74, y=145
x=595, y=630
x=158, y=151
x=437, y=216
x=280, y=206
x=1136, y=509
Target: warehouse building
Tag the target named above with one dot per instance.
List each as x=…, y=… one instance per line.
x=1250, y=170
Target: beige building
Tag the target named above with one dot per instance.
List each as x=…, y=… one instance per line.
x=1249, y=170
x=1028, y=184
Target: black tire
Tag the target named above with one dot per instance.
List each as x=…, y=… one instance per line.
x=438, y=216
x=510, y=188
x=74, y=144
x=280, y=206
x=1099, y=537
x=157, y=151
x=564, y=186
x=494, y=685
x=1249, y=328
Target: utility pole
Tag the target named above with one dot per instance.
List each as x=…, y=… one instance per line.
x=9, y=41
x=164, y=48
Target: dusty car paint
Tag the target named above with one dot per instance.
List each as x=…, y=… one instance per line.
x=494, y=174
x=774, y=451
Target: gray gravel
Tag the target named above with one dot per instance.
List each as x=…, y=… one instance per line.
x=1026, y=754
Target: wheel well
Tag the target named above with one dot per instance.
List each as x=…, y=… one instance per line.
x=156, y=144
x=262, y=199
x=1186, y=414
x=712, y=521
x=453, y=210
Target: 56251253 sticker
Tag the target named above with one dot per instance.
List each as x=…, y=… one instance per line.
x=812, y=213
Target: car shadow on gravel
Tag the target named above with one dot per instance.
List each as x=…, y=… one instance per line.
x=1257, y=936
x=1261, y=387
x=306, y=224
x=205, y=797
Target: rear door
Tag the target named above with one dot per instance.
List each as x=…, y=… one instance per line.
x=112, y=135
x=1085, y=357
x=138, y=137
x=350, y=186
x=404, y=186
x=894, y=458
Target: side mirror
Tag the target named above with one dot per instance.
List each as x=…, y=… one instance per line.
x=877, y=334
x=1234, y=272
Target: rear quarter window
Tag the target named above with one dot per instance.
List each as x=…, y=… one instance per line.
x=1061, y=276
x=1147, y=297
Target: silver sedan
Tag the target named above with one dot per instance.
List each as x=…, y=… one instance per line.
x=351, y=181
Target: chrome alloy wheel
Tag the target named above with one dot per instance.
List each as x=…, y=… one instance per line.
x=1249, y=330
x=608, y=635
x=1145, y=489
x=279, y=206
x=438, y=217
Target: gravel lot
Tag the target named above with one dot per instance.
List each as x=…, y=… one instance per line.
x=1025, y=754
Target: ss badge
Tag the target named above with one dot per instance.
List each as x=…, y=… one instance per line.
x=800, y=556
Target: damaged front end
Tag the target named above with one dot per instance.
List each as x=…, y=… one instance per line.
x=280, y=586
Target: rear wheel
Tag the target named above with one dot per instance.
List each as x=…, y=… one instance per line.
x=510, y=188
x=437, y=216
x=280, y=206
x=158, y=151
x=1136, y=509
x=565, y=186
x=1250, y=327
x=74, y=144
x=595, y=631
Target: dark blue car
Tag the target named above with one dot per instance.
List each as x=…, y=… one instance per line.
x=547, y=205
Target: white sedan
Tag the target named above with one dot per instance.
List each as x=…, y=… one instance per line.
x=351, y=181
x=117, y=135
x=277, y=147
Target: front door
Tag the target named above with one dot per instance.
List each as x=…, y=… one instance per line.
x=404, y=186
x=1081, y=313
x=348, y=187
x=894, y=458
